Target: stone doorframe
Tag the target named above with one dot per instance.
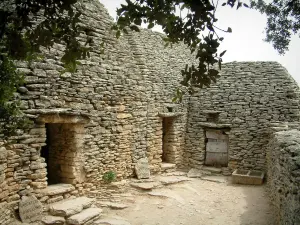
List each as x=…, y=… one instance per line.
x=65, y=142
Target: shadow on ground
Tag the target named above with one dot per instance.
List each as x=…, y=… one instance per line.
x=254, y=215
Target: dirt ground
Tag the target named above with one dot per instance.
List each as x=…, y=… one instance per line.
x=197, y=202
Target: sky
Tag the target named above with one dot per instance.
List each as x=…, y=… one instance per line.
x=245, y=43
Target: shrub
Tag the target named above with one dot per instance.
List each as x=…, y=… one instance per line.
x=109, y=176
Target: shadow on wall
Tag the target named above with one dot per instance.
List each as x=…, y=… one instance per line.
x=258, y=209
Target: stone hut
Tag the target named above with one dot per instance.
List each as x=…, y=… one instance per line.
x=117, y=109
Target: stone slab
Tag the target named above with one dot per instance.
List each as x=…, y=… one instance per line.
x=142, y=169
x=57, y=189
x=167, y=166
x=70, y=207
x=113, y=205
x=211, y=169
x=217, y=179
x=30, y=209
x=145, y=186
x=172, y=179
x=84, y=216
x=53, y=220
x=175, y=173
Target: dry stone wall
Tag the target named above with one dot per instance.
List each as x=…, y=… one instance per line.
x=247, y=97
x=122, y=93
x=283, y=162
x=110, y=113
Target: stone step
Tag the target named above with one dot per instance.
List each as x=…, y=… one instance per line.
x=211, y=169
x=146, y=185
x=56, y=189
x=113, y=205
x=84, y=216
x=168, y=166
x=70, y=207
x=53, y=220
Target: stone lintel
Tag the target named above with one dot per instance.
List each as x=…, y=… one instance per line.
x=61, y=116
x=214, y=125
x=170, y=114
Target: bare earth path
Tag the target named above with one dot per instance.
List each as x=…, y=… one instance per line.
x=197, y=202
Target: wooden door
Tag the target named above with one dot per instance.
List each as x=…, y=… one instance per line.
x=216, y=148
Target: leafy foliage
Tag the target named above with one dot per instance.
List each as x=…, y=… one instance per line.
x=283, y=20
x=109, y=177
x=190, y=21
x=25, y=26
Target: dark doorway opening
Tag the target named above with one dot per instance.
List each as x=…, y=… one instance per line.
x=168, y=147
x=63, y=153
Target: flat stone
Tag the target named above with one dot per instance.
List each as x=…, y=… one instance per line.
x=194, y=173
x=217, y=179
x=70, y=207
x=84, y=216
x=113, y=205
x=142, y=169
x=172, y=179
x=167, y=166
x=53, y=220
x=211, y=169
x=175, y=173
x=57, y=189
x=145, y=186
x=111, y=221
x=30, y=209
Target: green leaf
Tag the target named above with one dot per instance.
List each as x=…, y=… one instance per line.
x=238, y=5
x=222, y=53
x=135, y=28
x=151, y=25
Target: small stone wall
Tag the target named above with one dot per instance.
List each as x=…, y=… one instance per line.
x=122, y=96
x=247, y=97
x=283, y=162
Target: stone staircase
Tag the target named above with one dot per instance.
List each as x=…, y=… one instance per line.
x=56, y=192
x=73, y=211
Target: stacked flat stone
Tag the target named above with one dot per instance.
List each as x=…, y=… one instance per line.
x=125, y=93
x=283, y=160
x=248, y=96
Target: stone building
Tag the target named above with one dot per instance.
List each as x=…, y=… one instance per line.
x=117, y=109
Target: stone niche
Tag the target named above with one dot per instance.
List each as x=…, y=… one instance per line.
x=63, y=151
